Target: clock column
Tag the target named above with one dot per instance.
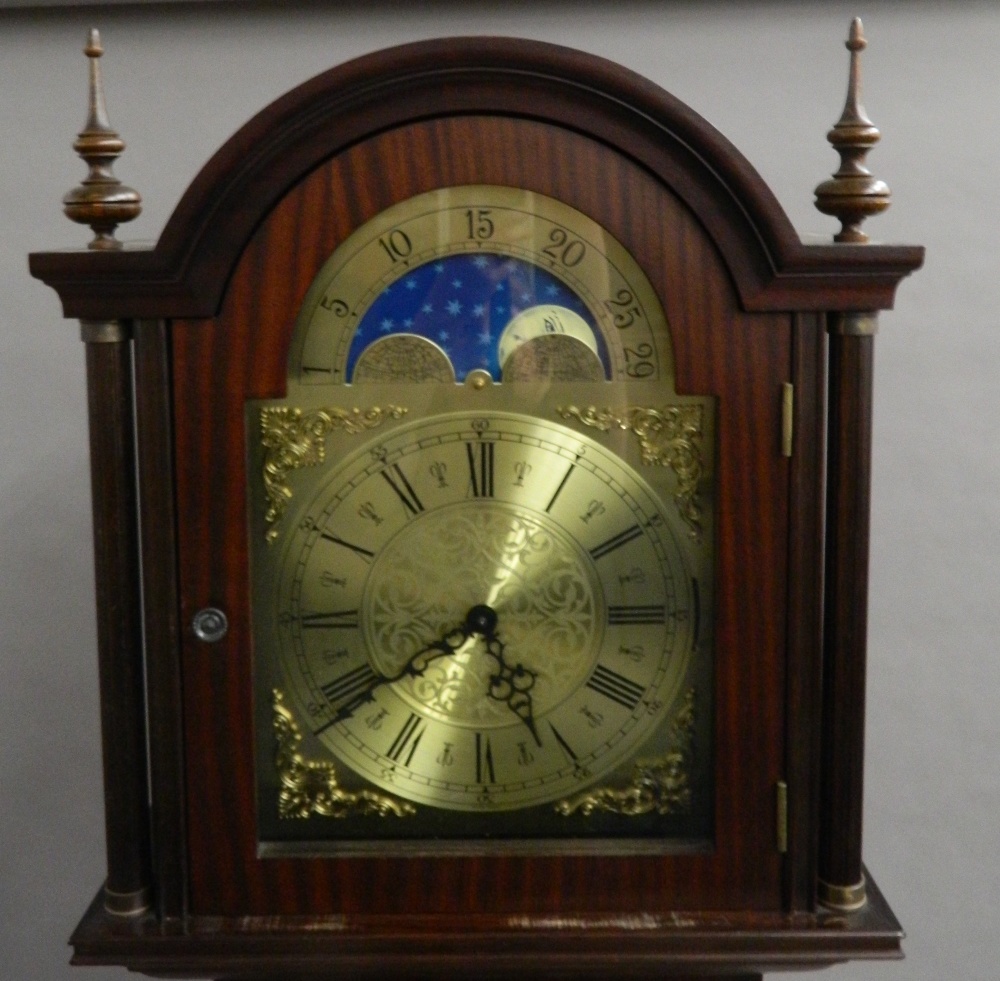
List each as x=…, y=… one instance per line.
x=119, y=630
x=851, y=195
x=841, y=879
x=102, y=202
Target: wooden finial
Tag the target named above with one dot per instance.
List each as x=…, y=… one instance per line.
x=852, y=194
x=100, y=200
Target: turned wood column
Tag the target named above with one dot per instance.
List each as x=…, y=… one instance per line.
x=841, y=880
x=119, y=614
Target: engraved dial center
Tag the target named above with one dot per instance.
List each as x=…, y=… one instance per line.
x=492, y=567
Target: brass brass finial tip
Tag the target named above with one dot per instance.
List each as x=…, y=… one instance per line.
x=100, y=200
x=853, y=194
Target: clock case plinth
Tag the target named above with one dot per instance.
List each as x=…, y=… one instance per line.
x=679, y=946
x=168, y=319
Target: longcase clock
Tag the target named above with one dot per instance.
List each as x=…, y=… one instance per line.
x=480, y=483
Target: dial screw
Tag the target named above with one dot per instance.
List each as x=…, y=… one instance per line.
x=210, y=625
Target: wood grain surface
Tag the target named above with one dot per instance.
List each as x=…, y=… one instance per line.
x=740, y=358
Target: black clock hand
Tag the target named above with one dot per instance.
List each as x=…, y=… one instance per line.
x=511, y=683
x=417, y=664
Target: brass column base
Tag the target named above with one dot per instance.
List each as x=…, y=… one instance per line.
x=843, y=898
x=127, y=903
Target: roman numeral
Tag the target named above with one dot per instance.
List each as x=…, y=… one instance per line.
x=404, y=491
x=622, y=538
x=636, y=615
x=481, y=469
x=484, y=760
x=335, y=620
x=363, y=552
x=615, y=686
x=407, y=740
x=562, y=484
x=350, y=685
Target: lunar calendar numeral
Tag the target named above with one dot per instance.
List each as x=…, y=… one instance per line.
x=397, y=244
x=481, y=469
x=335, y=305
x=615, y=686
x=404, y=491
x=564, y=249
x=480, y=224
x=624, y=309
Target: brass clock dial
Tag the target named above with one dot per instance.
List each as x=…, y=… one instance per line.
x=589, y=615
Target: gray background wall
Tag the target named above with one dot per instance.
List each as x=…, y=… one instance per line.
x=771, y=76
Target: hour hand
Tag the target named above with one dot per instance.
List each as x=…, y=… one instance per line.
x=510, y=683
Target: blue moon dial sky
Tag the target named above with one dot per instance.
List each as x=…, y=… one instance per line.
x=462, y=303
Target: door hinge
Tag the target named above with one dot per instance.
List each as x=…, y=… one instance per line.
x=781, y=808
x=787, y=417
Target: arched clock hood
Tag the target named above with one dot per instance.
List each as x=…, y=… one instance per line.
x=184, y=275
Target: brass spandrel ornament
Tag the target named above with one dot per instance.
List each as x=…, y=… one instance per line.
x=293, y=438
x=661, y=785
x=670, y=436
x=311, y=787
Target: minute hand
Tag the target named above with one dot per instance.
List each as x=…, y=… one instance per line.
x=417, y=664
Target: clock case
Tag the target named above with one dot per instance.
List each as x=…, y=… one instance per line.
x=178, y=336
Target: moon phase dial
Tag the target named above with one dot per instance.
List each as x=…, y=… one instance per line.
x=474, y=272
x=484, y=618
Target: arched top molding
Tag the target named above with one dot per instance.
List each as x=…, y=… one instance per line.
x=186, y=273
